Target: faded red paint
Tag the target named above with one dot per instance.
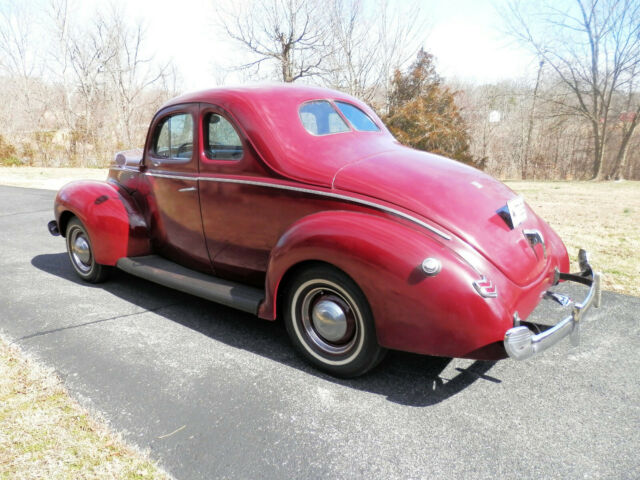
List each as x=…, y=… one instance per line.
x=245, y=220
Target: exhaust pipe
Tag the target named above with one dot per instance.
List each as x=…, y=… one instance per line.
x=53, y=228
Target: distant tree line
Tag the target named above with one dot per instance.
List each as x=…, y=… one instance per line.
x=74, y=92
x=592, y=51
x=518, y=133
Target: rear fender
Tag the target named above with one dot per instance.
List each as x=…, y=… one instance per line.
x=113, y=221
x=438, y=315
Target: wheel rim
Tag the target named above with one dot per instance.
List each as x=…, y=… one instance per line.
x=80, y=250
x=329, y=320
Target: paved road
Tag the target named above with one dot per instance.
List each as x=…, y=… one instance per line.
x=242, y=405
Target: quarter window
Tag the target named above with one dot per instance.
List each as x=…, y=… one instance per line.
x=360, y=120
x=221, y=141
x=321, y=118
x=175, y=137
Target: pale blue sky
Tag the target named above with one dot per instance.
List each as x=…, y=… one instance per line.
x=464, y=35
x=467, y=40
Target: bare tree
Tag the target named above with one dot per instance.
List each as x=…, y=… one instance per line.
x=291, y=33
x=18, y=47
x=593, y=46
x=130, y=72
x=629, y=118
x=94, y=93
x=351, y=45
x=352, y=63
x=527, y=147
x=59, y=64
x=370, y=45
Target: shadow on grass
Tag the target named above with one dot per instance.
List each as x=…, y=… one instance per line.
x=403, y=378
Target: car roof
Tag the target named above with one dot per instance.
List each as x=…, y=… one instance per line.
x=269, y=117
x=260, y=93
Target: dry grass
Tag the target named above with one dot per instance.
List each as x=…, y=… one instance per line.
x=44, y=434
x=48, y=178
x=602, y=217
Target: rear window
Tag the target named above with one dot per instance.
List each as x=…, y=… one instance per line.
x=360, y=120
x=321, y=118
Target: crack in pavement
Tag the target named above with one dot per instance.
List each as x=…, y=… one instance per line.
x=93, y=322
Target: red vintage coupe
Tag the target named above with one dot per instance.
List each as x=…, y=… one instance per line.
x=297, y=202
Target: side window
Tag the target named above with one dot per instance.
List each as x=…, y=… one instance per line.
x=181, y=130
x=162, y=146
x=221, y=140
x=174, y=137
x=320, y=118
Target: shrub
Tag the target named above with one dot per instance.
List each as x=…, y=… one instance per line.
x=423, y=113
x=8, y=153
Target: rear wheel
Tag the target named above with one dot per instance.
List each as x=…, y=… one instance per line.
x=81, y=254
x=329, y=321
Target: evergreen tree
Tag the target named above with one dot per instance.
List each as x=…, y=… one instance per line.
x=423, y=113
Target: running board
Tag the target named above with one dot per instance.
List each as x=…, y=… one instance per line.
x=165, y=272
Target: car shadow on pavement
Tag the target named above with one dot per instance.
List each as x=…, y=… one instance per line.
x=403, y=378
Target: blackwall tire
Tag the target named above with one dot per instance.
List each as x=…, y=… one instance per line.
x=329, y=321
x=81, y=254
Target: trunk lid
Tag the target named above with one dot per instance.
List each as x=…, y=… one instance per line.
x=461, y=199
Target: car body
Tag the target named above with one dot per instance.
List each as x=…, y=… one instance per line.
x=297, y=202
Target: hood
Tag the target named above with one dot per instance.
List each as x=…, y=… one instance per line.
x=461, y=199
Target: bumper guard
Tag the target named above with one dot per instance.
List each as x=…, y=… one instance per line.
x=521, y=343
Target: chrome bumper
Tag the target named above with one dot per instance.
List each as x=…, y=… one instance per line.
x=521, y=343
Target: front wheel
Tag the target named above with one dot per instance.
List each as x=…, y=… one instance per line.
x=329, y=321
x=81, y=254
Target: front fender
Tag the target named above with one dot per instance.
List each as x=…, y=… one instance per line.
x=440, y=315
x=115, y=226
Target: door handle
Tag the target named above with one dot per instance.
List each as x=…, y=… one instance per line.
x=187, y=189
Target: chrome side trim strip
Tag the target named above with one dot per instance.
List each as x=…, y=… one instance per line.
x=127, y=168
x=338, y=196
x=174, y=177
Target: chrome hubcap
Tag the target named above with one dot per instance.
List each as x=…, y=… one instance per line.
x=80, y=250
x=329, y=320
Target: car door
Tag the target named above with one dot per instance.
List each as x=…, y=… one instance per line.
x=236, y=216
x=246, y=207
x=171, y=169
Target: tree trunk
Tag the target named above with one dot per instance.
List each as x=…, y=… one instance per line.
x=621, y=162
x=621, y=158
x=527, y=148
x=598, y=143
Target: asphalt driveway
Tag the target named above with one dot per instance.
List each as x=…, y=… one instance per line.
x=215, y=393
